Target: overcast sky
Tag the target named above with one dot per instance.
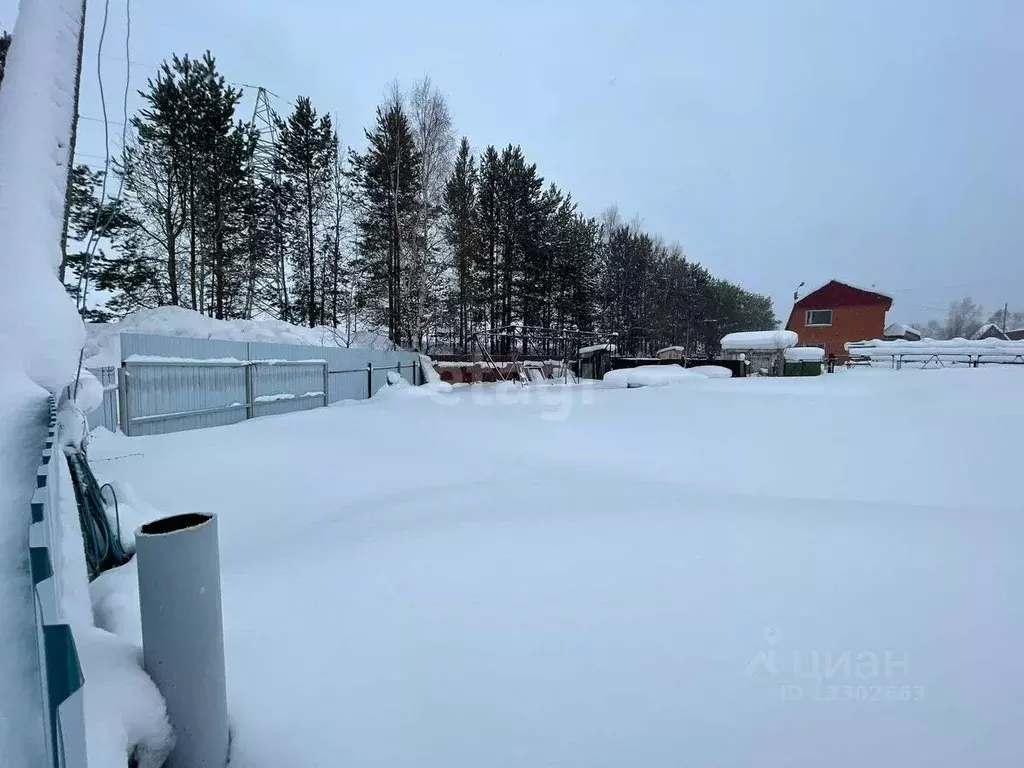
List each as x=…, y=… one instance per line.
x=874, y=141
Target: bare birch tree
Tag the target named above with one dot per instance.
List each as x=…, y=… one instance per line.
x=434, y=133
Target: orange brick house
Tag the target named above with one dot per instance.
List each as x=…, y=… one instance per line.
x=837, y=313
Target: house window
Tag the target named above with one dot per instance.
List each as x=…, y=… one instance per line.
x=819, y=317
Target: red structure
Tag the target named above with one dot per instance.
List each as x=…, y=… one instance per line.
x=837, y=313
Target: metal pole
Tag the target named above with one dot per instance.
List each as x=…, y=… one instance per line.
x=182, y=633
x=327, y=385
x=124, y=417
x=369, y=380
x=250, y=405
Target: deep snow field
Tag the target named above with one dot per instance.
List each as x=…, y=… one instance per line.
x=759, y=572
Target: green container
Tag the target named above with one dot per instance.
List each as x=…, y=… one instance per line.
x=802, y=368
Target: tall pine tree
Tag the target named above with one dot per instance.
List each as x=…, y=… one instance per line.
x=462, y=235
x=306, y=162
x=385, y=185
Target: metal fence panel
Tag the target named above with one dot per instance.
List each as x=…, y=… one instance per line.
x=282, y=387
x=168, y=384
x=348, y=373
x=106, y=414
x=181, y=347
x=162, y=397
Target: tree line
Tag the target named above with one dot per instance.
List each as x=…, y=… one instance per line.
x=965, y=317
x=414, y=233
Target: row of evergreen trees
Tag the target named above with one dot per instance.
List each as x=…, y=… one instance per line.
x=414, y=234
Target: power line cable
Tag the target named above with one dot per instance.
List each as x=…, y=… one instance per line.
x=98, y=231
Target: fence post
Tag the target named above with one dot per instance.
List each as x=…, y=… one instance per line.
x=415, y=373
x=123, y=417
x=327, y=384
x=249, y=405
x=369, y=380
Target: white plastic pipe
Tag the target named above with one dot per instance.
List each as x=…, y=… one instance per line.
x=182, y=633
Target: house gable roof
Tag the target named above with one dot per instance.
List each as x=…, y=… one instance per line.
x=837, y=294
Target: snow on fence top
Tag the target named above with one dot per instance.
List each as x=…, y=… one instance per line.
x=987, y=348
x=804, y=354
x=103, y=342
x=762, y=340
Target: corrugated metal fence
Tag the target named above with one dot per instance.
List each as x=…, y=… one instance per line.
x=169, y=384
x=59, y=668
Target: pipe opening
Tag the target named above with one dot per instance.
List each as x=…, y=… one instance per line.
x=175, y=523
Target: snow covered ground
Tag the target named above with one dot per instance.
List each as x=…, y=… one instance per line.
x=736, y=572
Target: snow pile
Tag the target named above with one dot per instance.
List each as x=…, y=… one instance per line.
x=103, y=346
x=430, y=374
x=712, y=371
x=649, y=376
x=804, y=354
x=125, y=714
x=399, y=389
x=761, y=340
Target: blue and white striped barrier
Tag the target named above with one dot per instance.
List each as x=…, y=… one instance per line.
x=59, y=668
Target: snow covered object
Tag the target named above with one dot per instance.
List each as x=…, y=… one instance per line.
x=40, y=332
x=760, y=340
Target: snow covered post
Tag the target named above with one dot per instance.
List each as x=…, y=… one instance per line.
x=182, y=633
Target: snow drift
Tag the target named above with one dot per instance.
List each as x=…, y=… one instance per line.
x=650, y=376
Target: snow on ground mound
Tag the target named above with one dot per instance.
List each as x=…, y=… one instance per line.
x=103, y=347
x=650, y=376
x=712, y=371
x=399, y=389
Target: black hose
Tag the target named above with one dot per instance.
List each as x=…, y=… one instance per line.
x=103, y=549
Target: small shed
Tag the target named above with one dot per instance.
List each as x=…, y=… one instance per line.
x=763, y=350
x=595, y=361
x=989, y=331
x=1017, y=334
x=671, y=353
x=898, y=331
x=803, y=361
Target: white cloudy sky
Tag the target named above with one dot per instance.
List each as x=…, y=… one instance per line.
x=874, y=141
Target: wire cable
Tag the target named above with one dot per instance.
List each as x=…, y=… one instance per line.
x=99, y=231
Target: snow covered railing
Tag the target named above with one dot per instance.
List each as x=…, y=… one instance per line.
x=61, y=679
x=971, y=352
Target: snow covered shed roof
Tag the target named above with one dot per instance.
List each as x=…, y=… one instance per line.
x=899, y=330
x=595, y=348
x=1017, y=334
x=989, y=331
x=838, y=294
x=762, y=340
x=804, y=354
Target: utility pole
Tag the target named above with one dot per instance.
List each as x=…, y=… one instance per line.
x=1006, y=311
